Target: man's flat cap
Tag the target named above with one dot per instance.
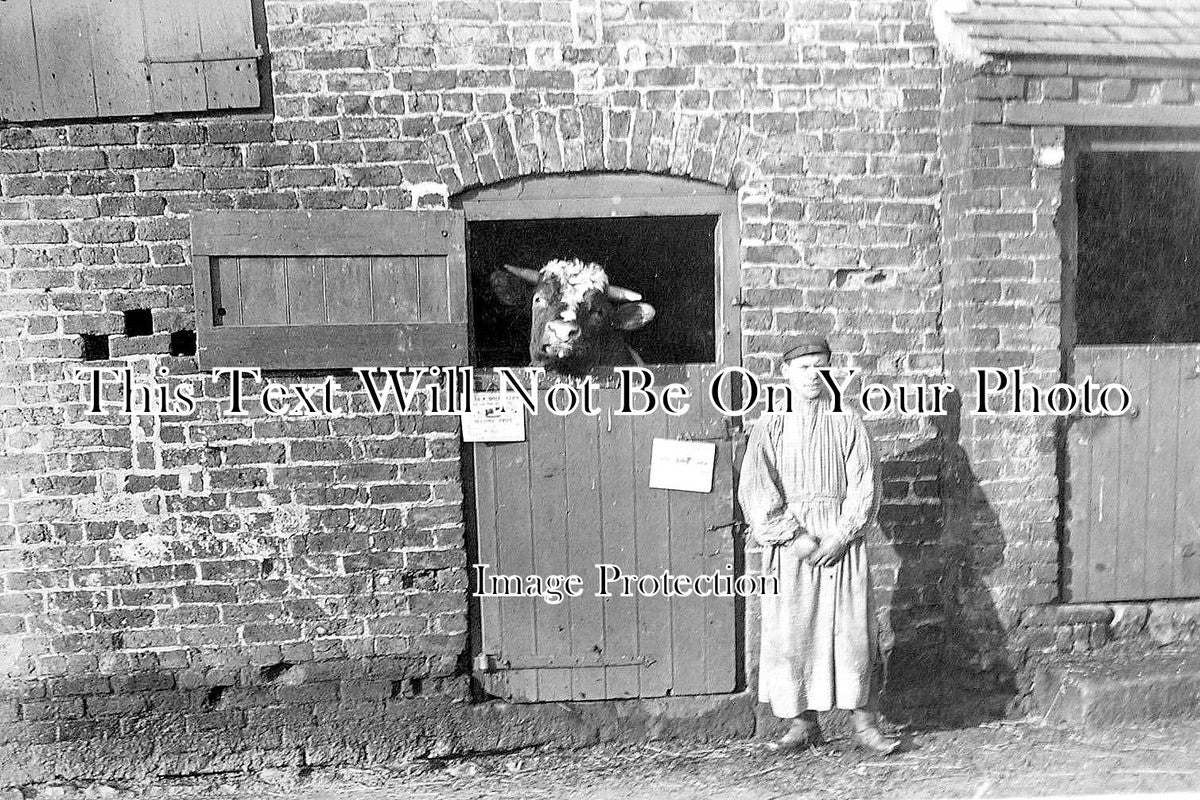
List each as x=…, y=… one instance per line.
x=807, y=346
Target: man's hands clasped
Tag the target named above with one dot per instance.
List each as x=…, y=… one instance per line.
x=780, y=530
x=828, y=553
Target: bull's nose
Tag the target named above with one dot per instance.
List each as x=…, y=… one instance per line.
x=562, y=331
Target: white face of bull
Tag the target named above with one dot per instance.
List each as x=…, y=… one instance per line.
x=577, y=317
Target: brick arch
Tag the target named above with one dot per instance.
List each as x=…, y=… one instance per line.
x=716, y=148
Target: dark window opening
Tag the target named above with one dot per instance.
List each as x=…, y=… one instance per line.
x=139, y=322
x=669, y=260
x=1138, y=278
x=95, y=347
x=183, y=343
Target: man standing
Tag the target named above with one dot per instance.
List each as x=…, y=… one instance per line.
x=808, y=493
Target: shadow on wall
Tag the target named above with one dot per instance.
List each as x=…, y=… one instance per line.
x=950, y=653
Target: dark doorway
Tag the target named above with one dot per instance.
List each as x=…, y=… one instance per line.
x=1139, y=248
x=669, y=260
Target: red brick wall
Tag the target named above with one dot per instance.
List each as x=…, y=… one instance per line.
x=259, y=591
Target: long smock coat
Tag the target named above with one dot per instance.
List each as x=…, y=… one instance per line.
x=819, y=632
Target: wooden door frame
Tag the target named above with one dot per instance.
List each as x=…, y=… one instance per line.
x=609, y=195
x=623, y=194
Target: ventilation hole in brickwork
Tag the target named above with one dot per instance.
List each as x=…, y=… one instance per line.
x=139, y=322
x=183, y=343
x=274, y=672
x=267, y=567
x=409, y=687
x=212, y=698
x=95, y=347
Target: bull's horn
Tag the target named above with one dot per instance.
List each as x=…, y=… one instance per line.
x=524, y=273
x=621, y=293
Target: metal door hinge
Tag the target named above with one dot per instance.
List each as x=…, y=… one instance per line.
x=494, y=662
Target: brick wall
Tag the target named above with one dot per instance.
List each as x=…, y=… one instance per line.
x=213, y=593
x=1003, y=279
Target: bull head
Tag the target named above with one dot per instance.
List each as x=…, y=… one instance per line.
x=578, y=317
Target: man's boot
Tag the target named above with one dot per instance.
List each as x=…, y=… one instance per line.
x=868, y=736
x=803, y=734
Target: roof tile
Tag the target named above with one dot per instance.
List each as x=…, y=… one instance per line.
x=1114, y=28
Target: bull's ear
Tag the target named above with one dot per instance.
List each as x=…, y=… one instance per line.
x=510, y=289
x=633, y=316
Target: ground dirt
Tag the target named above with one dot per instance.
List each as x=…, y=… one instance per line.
x=996, y=759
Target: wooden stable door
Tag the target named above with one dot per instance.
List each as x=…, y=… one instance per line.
x=574, y=495
x=1132, y=290
x=1134, y=481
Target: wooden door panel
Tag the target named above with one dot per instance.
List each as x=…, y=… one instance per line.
x=585, y=482
x=1132, y=517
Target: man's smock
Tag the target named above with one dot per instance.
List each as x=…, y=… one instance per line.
x=819, y=633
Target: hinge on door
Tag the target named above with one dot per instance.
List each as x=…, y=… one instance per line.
x=738, y=301
x=494, y=662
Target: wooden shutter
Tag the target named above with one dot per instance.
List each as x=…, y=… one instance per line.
x=330, y=289
x=63, y=59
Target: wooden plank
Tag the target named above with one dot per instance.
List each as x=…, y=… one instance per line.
x=324, y=233
x=556, y=208
x=231, y=84
x=172, y=29
x=548, y=475
x=264, y=291
x=64, y=57
x=592, y=186
x=584, y=549
x=202, y=288
x=227, y=292
x=122, y=77
x=1185, y=579
x=348, y=290
x=433, y=302
x=1162, y=423
x=306, y=290
x=717, y=544
x=487, y=524
x=517, y=557
x=177, y=87
x=720, y=635
x=1134, y=453
x=333, y=346
x=687, y=532
x=1070, y=113
x=456, y=266
x=1106, y=451
x=728, y=245
x=20, y=90
x=226, y=30
x=653, y=553
x=618, y=545
x=394, y=288
x=1081, y=491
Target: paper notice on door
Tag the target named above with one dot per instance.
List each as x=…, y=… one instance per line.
x=681, y=465
x=494, y=417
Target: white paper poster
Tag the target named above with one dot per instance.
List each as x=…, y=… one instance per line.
x=682, y=465
x=492, y=420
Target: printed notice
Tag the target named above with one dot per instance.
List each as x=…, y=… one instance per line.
x=494, y=418
x=686, y=466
